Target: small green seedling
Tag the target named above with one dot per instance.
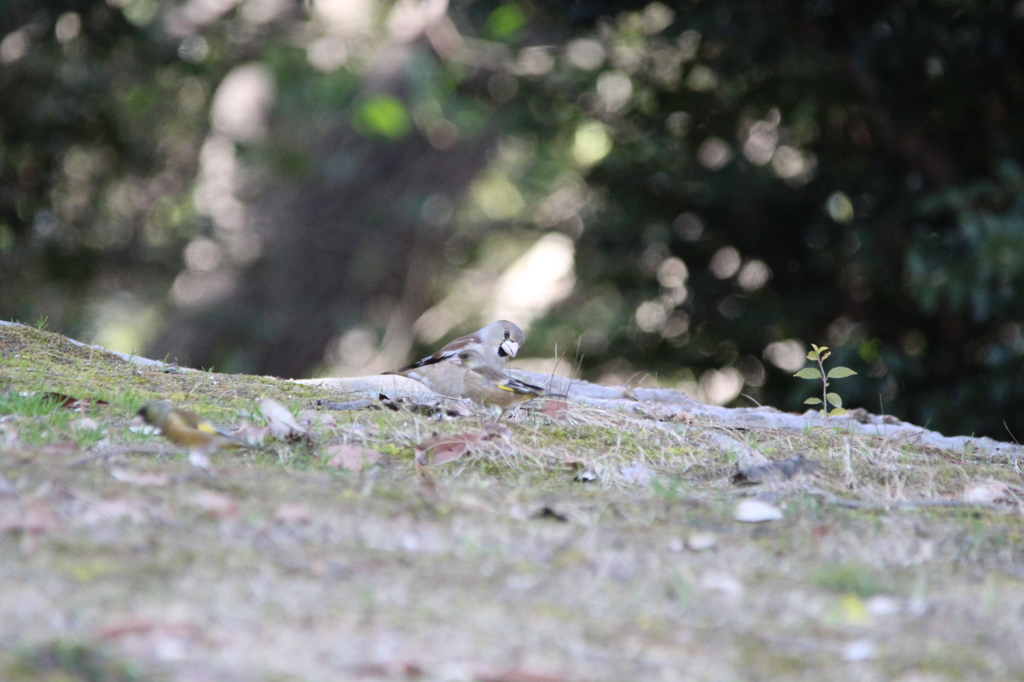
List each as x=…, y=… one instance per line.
x=819, y=355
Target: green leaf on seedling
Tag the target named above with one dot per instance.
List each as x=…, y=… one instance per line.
x=819, y=355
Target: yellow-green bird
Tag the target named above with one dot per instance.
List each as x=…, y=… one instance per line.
x=490, y=388
x=201, y=436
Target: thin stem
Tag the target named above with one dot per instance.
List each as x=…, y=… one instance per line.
x=824, y=387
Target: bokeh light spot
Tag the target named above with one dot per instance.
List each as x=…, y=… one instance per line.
x=614, y=88
x=788, y=355
x=714, y=153
x=585, y=54
x=672, y=273
x=67, y=28
x=839, y=207
x=385, y=115
x=720, y=386
x=591, y=143
x=725, y=263
x=505, y=20
x=651, y=316
x=702, y=79
x=753, y=275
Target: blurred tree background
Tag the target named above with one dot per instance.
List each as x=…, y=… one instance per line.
x=682, y=194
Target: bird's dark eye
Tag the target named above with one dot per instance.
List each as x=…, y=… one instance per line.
x=506, y=333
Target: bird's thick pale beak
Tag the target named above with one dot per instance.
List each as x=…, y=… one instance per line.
x=509, y=348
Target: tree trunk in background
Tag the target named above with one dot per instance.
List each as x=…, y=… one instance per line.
x=357, y=238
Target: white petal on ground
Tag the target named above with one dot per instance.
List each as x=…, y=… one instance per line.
x=755, y=511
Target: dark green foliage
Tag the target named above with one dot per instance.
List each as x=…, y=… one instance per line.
x=904, y=246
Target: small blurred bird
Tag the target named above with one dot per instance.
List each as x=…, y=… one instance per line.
x=491, y=389
x=494, y=344
x=201, y=436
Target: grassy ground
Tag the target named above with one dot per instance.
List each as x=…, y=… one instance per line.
x=590, y=545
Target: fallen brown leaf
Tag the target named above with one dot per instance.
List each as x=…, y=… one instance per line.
x=490, y=674
x=282, y=424
x=293, y=513
x=85, y=424
x=132, y=626
x=142, y=636
x=33, y=518
x=141, y=478
x=108, y=511
x=555, y=408
x=252, y=434
x=992, y=492
x=441, y=449
x=217, y=505
x=724, y=583
x=388, y=670
x=310, y=418
x=9, y=438
x=496, y=430
x=351, y=457
x=70, y=401
x=58, y=449
x=7, y=488
x=638, y=473
x=62, y=399
x=428, y=488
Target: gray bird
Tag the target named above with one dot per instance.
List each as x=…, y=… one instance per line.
x=493, y=344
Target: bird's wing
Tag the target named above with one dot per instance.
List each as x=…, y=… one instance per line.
x=210, y=427
x=461, y=343
x=506, y=383
x=206, y=426
x=451, y=349
x=191, y=420
x=517, y=386
x=439, y=356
